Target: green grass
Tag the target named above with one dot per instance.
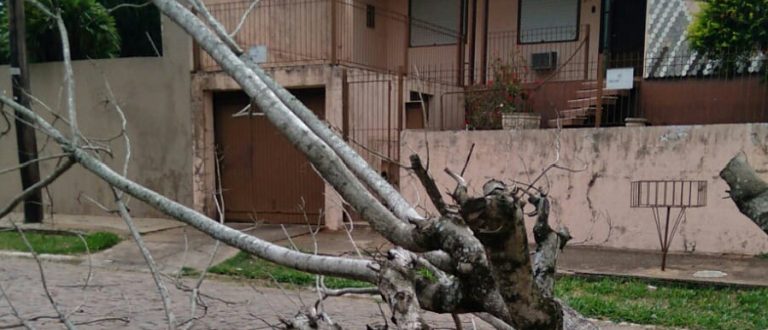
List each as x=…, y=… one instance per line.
x=189, y=271
x=57, y=243
x=243, y=265
x=667, y=305
x=673, y=305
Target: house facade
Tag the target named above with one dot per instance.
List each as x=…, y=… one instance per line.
x=373, y=69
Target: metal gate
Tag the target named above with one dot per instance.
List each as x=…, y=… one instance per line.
x=263, y=176
x=372, y=120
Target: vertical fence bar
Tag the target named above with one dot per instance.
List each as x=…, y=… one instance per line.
x=345, y=105
x=334, y=24
x=586, y=51
x=599, y=95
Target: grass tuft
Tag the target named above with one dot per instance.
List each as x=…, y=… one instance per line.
x=58, y=243
x=244, y=265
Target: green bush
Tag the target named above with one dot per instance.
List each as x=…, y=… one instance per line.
x=92, y=31
x=730, y=29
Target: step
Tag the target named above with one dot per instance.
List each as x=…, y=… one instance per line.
x=591, y=101
x=592, y=84
x=585, y=112
x=567, y=122
x=583, y=93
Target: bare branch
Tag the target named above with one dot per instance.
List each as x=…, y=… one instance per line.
x=162, y=290
x=37, y=186
x=346, y=291
x=62, y=317
x=429, y=184
x=469, y=157
x=242, y=19
x=333, y=266
x=129, y=5
x=216, y=26
x=69, y=79
x=39, y=159
x=319, y=153
x=14, y=311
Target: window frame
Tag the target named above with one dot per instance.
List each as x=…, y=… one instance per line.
x=520, y=30
x=464, y=26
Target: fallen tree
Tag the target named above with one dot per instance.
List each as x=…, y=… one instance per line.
x=747, y=190
x=476, y=249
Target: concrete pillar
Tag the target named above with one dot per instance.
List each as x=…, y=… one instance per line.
x=333, y=114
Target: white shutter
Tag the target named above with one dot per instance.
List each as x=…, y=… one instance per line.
x=548, y=20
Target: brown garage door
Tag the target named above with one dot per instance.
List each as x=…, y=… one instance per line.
x=263, y=176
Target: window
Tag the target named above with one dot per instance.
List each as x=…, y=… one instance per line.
x=435, y=22
x=139, y=28
x=370, y=16
x=548, y=21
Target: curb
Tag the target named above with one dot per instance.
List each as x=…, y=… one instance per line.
x=44, y=257
x=651, y=279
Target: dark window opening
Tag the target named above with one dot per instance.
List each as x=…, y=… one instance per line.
x=370, y=16
x=139, y=28
x=437, y=22
x=548, y=21
x=100, y=29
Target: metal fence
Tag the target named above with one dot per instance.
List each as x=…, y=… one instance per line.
x=343, y=32
x=558, y=68
x=667, y=89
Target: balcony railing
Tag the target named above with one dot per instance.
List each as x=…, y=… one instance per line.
x=305, y=32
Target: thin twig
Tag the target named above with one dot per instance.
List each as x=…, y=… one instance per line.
x=129, y=5
x=14, y=311
x=62, y=317
x=152, y=43
x=162, y=290
x=39, y=159
x=87, y=278
x=242, y=19
x=37, y=186
x=95, y=202
x=469, y=157
x=425, y=118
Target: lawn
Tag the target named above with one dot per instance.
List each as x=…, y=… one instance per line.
x=674, y=305
x=692, y=307
x=243, y=265
x=58, y=243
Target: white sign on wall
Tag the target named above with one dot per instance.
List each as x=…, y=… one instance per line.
x=258, y=54
x=621, y=78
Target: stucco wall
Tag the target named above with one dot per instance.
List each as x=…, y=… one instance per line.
x=594, y=203
x=154, y=94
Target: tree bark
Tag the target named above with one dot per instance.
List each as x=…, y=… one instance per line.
x=748, y=190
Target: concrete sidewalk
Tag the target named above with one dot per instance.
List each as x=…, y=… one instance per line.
x=589, y=261
x=166, y=240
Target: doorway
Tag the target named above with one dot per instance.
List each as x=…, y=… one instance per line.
x=263, y=176
x=623, y=33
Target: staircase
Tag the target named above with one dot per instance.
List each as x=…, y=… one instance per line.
x=581, y=109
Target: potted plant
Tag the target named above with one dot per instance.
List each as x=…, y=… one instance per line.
x=503, y=102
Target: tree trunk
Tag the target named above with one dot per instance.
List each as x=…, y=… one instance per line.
x=748, y=190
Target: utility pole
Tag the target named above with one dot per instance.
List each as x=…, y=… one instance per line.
x=25, y=134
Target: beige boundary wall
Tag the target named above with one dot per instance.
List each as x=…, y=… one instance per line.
x=594, y=203
x=154, y=93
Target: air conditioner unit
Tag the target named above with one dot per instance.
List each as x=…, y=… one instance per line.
x=544, y=61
